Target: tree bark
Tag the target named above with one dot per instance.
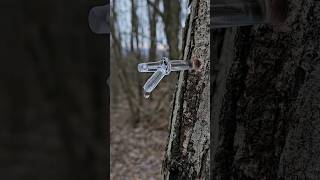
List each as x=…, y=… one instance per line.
x=187, y=152
x=266, y=95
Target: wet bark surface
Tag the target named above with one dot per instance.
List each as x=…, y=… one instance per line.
x=265, y=111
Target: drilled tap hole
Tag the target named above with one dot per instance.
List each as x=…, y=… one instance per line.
x=197, y=64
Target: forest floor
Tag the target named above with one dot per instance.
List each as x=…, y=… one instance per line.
x=136, y=153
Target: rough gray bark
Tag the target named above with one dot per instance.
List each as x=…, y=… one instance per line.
x=266, y=99
x=187, y=153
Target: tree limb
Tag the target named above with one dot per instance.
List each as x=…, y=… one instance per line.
x=157, y=10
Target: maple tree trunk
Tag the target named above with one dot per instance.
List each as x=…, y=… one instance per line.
x=187, y=153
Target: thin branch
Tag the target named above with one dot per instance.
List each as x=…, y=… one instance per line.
x=157, y=10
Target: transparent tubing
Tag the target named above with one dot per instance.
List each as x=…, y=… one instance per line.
x=228, y=13
x=153, y=81
x=149, y=67
x=180, y=65
x=160, y=69
x=174, y=65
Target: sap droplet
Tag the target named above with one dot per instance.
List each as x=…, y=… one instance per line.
x=146, y=95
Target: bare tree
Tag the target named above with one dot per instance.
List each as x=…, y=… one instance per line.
x=153, y=16
x=121, y=66
x=187, y=152
x=171, y=19
x=135, y=35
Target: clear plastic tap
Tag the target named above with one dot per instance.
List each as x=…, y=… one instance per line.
x=160, y=69
x=228, y=13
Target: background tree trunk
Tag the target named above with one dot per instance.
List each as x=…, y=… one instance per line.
x=266, y=95
x=153, y=19
x=171, y=19
x=187, y=153
x=135, y=35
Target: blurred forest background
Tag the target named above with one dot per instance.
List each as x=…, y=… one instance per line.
x=53, y=92
x=141, y=31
